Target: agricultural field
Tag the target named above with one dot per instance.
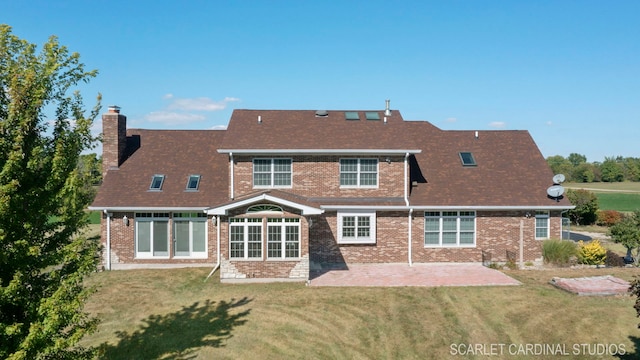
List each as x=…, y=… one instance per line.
x=620, y=196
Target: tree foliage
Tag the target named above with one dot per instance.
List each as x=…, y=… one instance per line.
x=627, y=232
x=613, y=169
x=43, y=256
x=586, y=206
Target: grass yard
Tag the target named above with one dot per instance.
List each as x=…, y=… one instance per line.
x=621, y=196
x=174, y=314
x=618, y=201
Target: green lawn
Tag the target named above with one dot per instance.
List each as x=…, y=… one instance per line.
x=618, y=201
x=621, y=196
x=175, y=314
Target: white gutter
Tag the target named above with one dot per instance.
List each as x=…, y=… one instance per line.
x=410, y=237
x=231, y=195
x=148, y=208
x=108, y=214
x=217, y=248
x=320, y=151
x=440, y=207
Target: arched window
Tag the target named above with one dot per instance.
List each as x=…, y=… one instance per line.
x=264, y=208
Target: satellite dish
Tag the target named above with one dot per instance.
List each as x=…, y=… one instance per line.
x=555, y=192
x=558, y=179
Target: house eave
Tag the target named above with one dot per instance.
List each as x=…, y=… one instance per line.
x=148, y=208
x=224, y=210
x=320, y=151
x=443, y=207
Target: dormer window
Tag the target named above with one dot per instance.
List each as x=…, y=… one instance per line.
x=467, y=159
x=156, y=182
x=193, y=182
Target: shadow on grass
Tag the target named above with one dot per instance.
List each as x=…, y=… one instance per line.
x=179, y=335
x=628, y=352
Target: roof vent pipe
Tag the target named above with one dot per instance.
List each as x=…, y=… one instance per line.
x=259, y=119
x=476, y=134
x=387, y=111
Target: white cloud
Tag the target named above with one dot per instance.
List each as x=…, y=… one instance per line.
x=451, y=120
x=549, y=123
x=168, y=96
x=199, y=104
x=498, y=124
x=219, y=127
x=173, y=118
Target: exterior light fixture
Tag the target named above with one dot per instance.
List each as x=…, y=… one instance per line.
x=125, y=220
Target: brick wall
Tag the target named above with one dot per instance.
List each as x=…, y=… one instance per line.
x=123, y=243
x=114, y=140
x=390, y=247
x=319, y=176
x=296, y=269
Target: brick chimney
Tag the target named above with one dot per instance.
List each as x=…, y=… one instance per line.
x=114, y=139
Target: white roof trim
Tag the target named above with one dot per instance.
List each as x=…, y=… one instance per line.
x=223, y=210
x=321, y=151
x=147, y=208
x=391, y=208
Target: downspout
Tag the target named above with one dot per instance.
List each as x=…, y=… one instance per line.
x=108, y=214
x=217, y=248
x=406, y=202
x=232, y=195
x=562, y=226
x=410, y=237
x=406, y=185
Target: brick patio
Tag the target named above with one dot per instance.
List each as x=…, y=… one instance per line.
x=454, y=274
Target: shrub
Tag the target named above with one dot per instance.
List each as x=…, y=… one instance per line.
x=608, y=217
x=613, y=259
x=586, y=204
x=592, y=253
x=558, y=252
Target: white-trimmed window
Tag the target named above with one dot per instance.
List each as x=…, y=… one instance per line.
x=542, y=224
x=449, y=228
x=359, y=173
x=356, y=228
x=190, y=234
x=193, y=181
x=156, y=182
x=245, y=238
x=272, y=173
x=152, y=235
x=283, y=238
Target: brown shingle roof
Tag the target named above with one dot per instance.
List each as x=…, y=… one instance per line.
x=175, y=154
x=303, y=130
x=510, y=169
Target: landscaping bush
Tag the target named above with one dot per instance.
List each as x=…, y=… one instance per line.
x=591, y=253
x=558, y=252
x=613, y=259
x=608, y=217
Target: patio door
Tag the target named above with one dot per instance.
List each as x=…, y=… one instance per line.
x=181, y=238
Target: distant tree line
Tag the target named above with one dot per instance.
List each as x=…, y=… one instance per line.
x=613, y=169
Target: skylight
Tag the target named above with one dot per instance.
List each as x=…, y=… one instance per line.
x=467, y=159
x=156, y=182
x=372, y=115
x=351, y=115
x=193, y=182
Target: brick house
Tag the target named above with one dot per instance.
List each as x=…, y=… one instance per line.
x=281, y=193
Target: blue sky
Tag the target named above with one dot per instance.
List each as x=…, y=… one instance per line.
x=567, y=71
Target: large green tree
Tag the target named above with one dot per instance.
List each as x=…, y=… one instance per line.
x=43, y=256
x=627, y=233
